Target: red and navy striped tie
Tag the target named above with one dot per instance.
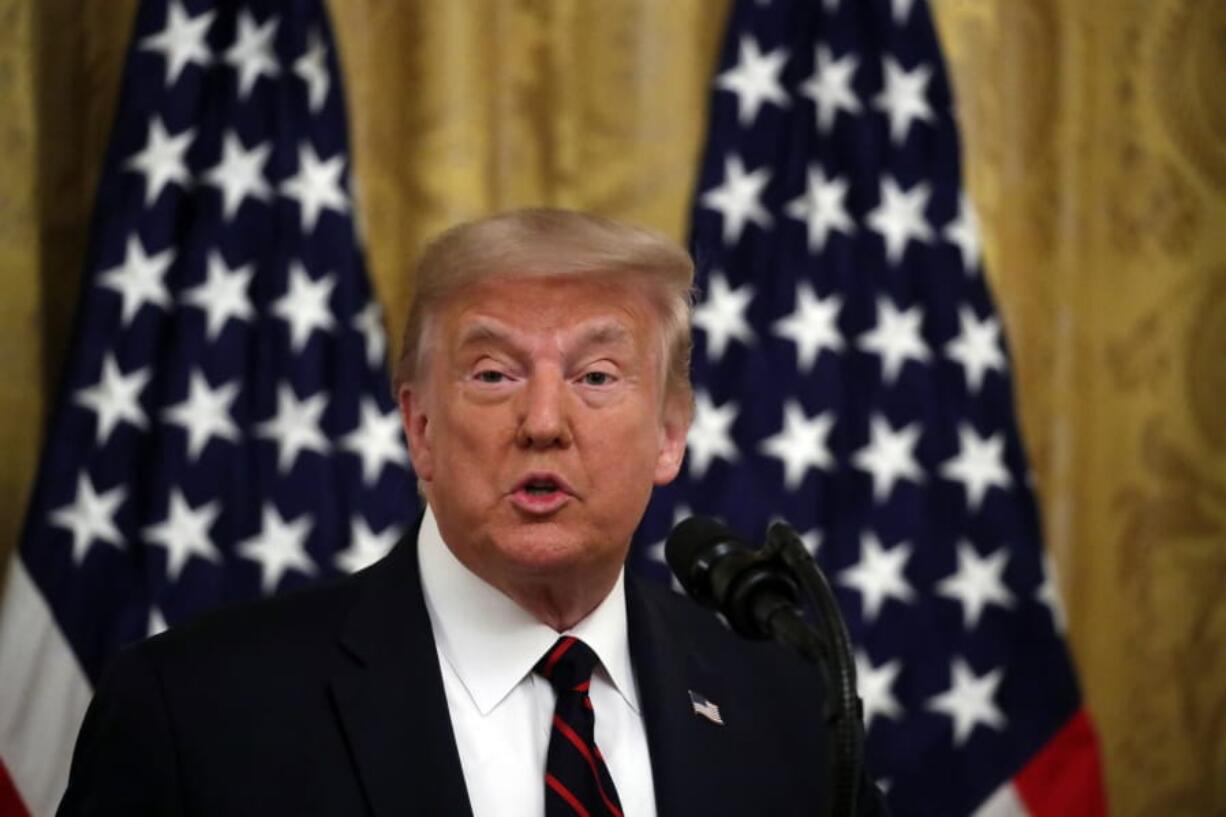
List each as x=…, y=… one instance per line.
x=577, y=782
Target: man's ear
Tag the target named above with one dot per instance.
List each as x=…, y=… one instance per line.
x=673, y=431
x=413, y=416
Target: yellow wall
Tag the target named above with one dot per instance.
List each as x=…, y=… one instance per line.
x=1095, y=136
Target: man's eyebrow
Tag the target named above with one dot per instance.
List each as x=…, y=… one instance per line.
x=484, y=330
x=603, y=331
x=599, y=332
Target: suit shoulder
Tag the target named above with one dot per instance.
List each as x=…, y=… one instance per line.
x=298, y=623
x=681, y=611
x=711, y=639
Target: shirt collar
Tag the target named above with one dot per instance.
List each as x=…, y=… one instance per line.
x=492, y=643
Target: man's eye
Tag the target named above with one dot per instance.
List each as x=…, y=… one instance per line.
x=491, y=376
x=597, y=379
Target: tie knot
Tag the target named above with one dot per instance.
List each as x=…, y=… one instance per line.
x=568, y=665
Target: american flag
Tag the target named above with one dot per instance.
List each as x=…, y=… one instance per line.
x=705, y=708
x=851, y=377
x=224, y=429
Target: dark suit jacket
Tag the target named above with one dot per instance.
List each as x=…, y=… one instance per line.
x=329, y=702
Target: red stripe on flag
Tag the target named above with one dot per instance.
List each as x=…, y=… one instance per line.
x=11, y=804
x=1064, y=778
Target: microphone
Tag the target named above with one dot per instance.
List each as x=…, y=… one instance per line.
x=758, y=592
x=720, y=571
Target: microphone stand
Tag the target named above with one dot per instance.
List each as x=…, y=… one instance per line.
x=829, y=646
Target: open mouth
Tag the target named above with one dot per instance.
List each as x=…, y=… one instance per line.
x=541, y=493
x=543, y=483
x=540, y=487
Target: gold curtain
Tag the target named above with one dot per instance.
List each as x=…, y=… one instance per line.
x=1095, y=137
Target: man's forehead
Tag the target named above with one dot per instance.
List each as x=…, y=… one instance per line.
x=477, y=328
x=583, y=310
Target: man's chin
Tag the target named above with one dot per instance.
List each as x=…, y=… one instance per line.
x=551, y=549
x=542, y=550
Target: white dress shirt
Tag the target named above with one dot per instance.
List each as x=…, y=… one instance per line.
x=501, y=710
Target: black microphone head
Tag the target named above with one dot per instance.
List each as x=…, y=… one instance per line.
x=719, y=570
x=691, y=549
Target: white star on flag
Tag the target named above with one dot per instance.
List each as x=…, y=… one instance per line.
x=978, y=582
x=252, y=54
x=977, y=347
x=895, y=338
x=754, y=80
x=312, y=68
x=968, y=701
x=901, y=10
x=1049, y=594
x=979, y=464
x=365, y=546
x=304, y=306
x=378, y=440
x=875, y=685
x=222, y=295
x=204, y=414
x=830, y=86
x=162, y=160
x=156, y=624
x=369, y=322
x=139, y=280
x=738, y=199
x=710, y=434
x=184, y=533
x=800, y=444
x=182, y=41
x=239, y=174
x=963, y=232
x=655, y=551
x=899, y=217
x=115, y=398
x=811, y=539
x=279, y=547
x=721, y=316
x=822, y=208
x=903, y=99
x=316, y=186
x=295, y=427
x=812, y=325
x=90, y=516
x=889, y=456
x=878, y=575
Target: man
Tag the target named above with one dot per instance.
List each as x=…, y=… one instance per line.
x=498, y=661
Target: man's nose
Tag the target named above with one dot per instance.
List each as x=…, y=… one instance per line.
x=545, y=413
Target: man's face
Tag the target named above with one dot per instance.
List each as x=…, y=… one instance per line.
x=540, y=425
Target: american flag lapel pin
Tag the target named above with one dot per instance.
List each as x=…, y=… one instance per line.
x=706, y=709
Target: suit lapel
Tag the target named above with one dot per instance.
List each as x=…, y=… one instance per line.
x=390, y=697
x=685, y=747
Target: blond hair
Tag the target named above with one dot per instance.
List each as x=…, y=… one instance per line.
x=546, y=242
